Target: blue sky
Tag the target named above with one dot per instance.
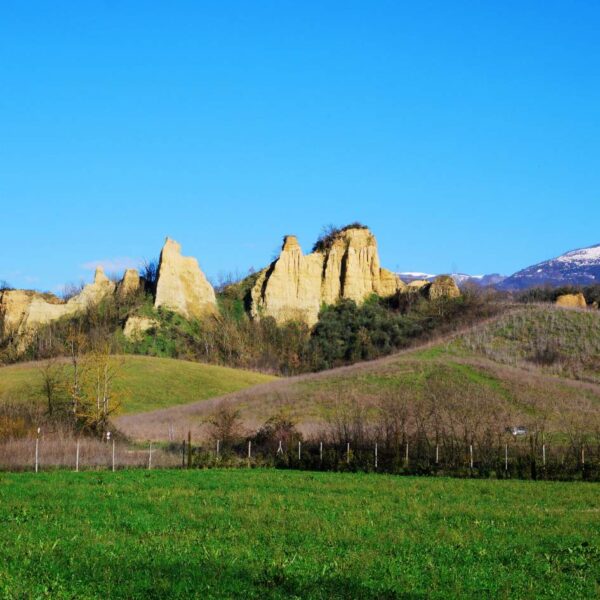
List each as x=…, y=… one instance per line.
x=465, y=134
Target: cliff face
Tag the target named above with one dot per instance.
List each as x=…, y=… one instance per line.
x=23, y=310
x=182, y=287
x=295, y=286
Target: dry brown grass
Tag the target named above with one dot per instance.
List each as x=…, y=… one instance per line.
x=59, y=451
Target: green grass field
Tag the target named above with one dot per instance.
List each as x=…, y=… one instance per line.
x=282, y=534
x=143, y=383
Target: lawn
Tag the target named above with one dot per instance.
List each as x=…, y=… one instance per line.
x=144, y=383
x=282, y=534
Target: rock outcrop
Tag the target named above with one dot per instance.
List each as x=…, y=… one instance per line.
x=571, y=301
x=135, y=326
x=182, y=287
x=23, y=310
x=443, y=286
x=295, y=286
x=130, y=284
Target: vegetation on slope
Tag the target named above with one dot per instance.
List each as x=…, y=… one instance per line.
x=563, y=342
x=144, y=383
x=277, y=534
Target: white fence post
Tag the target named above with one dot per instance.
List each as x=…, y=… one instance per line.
x=375, y=455
x=506, y=457
x=113, y=455
x=471, y=455
x=406, y=455
x=218, y=448
x=544, y=454
x=37, y=450
x=321, y=451
x=348, y=453
x=77, y=457
x=299, y=451
x=437, y=454
x=150, y=456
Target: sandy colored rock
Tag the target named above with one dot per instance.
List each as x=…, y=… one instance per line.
x=443, y=286
x=295, y=286
x=135, y=327
x=130, y=283
x=24, y=310
x=571, y=301
x=182, y=287
x=417, y=284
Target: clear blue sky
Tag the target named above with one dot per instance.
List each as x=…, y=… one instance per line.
x=465, y=134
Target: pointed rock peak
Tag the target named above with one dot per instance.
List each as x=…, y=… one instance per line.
x=99, y=276
x=171, y=246
x=182, y=287
x=290, y=243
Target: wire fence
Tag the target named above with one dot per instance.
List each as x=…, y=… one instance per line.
x=514, y=458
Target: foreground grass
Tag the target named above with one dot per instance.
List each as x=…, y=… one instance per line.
x=143, y=383
x=278, y=534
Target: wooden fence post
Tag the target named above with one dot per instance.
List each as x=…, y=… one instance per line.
x=183, y=454
x=348, y=453
x=321, y=451
x=150, y=456
x=506, y=457
x=218, y=448
x=77, y=457
x=437, y=454
x=406, y=455
x=189, y=450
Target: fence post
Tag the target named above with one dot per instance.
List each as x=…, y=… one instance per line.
x=189, y=449
x=77, y=457
x=582, y=456
x=249, y=451
x=321, y=451
x=183, y=454
x=348, y=453
x=406, y=455
x=471, y=456
x=113, y=456
x=437, y=454
x=506, y=457
x=544, y=455
x=37, y=449
x=150, y=456
x=218, y=449
x=299, y=451
x=375, y=455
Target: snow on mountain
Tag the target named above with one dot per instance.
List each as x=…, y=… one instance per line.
x=460, y=278
x=577, y=267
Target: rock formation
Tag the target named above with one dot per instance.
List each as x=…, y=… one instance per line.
x=23, y=310
x=571, y=301
x=295, y=286
x=136, y=326
x=130, y=283
x=182, y=286
x=443, y=286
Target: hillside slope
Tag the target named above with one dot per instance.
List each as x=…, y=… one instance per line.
x=468, y=382
x=144, y=383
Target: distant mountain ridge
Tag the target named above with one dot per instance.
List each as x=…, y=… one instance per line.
x=492, y=279
x=576, y=267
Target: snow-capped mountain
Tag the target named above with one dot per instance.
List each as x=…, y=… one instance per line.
x=577, y=267
x=460, y=278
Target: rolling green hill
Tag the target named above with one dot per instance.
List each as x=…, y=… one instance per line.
x=500, y=381
x=143, y=383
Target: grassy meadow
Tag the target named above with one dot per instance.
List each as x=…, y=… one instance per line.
x=283, y=534
x=142, y=383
